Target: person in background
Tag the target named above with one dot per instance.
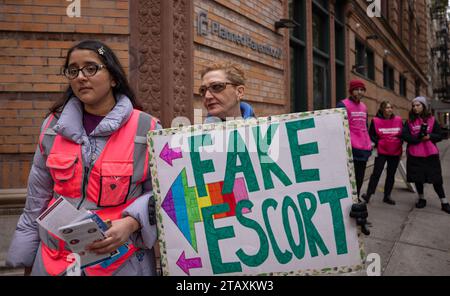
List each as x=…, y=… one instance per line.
x=361, y=145
x=421, y=131
x=359, y=134
x=222, y=90
x=91, y=153
x=385, y=131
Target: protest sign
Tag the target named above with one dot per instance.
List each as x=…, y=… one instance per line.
x=262, y=196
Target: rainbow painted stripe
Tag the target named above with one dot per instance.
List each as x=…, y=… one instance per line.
x=184, y=207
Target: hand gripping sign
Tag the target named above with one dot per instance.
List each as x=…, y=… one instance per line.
x=261, y=196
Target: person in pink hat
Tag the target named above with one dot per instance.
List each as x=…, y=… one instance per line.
x=359, y=134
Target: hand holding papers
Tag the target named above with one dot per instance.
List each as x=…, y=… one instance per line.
x=78, y=228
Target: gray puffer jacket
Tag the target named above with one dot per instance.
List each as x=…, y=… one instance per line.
x=23, y=251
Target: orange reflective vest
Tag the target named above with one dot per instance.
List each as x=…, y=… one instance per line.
x=107, y=188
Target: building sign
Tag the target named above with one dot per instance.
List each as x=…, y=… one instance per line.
x=262, y=196
x=205, y=27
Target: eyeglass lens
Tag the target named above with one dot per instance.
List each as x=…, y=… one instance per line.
x=88, y=71
x=214, y=88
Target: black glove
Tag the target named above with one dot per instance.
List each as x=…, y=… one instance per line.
x=151, y=211
x=423, y=130
x=359, y=212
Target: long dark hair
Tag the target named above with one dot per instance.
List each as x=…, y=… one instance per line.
x=424, y=115
x=114, y=67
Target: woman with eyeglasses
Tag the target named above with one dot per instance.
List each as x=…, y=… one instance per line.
x=222, y=90
x=386, y=132
x=421, y=131
x=92, y=152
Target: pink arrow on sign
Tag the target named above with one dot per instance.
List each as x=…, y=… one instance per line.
x=169, y=154
x=186, y=264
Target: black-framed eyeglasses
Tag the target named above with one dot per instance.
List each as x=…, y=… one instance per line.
x=215, y=87
x=88, y=71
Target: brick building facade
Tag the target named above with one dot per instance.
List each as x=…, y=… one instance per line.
x=397, y=41
x=253, y=22
x=163, y=44
x=34, y=39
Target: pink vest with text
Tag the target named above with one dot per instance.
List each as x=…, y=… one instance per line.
x=389, y=132
x=357, y=119
x=424, y=148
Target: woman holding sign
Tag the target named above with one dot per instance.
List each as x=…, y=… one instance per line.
x=385, y=131
x=423, y=165
x=93, y=152
x=359, y=135
x=222, y=90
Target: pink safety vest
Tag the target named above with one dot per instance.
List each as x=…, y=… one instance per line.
x=389, y=132
x=107, y=187
x=425, y=148
x=357, y=119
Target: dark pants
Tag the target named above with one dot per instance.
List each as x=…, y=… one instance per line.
x=438, y=188
x=392, y=164
x=360, y=169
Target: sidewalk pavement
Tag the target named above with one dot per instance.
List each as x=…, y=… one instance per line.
x=410, y=241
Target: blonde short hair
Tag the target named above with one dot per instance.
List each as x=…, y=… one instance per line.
x=232, y=71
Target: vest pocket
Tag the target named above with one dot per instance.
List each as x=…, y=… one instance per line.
x=115, y=182
x=62, y=166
